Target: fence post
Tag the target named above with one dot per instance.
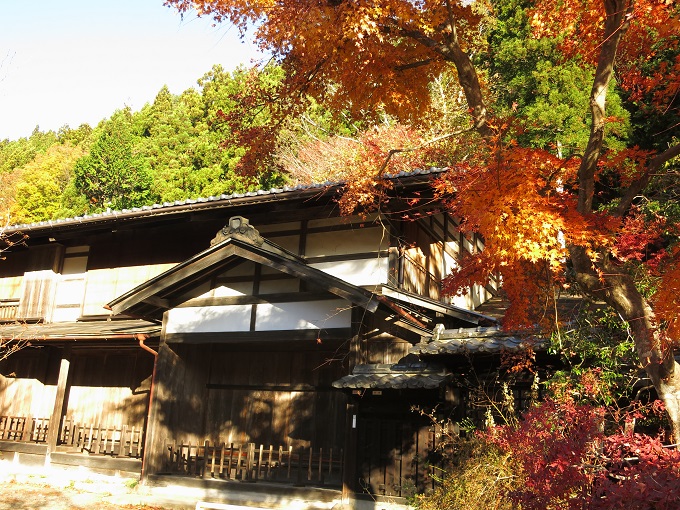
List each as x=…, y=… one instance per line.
x=259, y=463
x=269, y=462
x=320, y=466
x=28, y=431
x=299, y=482
x=250, y=460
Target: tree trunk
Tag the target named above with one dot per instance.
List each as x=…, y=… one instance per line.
x=617, y=289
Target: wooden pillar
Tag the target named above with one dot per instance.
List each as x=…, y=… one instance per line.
x=178, y=400
x=147, y=425
x=349, y=470
x=60, y=402
x=157, y=429
x=349, y=462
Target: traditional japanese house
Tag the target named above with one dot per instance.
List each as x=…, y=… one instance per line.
x=255, y=337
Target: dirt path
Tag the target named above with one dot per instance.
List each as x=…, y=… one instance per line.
x=33, y=496
x=57, y=492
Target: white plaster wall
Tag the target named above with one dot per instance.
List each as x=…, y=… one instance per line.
x=363, y=272
x=302, y=315
x=209, y=319
x=359, y=240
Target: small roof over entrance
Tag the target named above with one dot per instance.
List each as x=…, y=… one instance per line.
x=408, y=373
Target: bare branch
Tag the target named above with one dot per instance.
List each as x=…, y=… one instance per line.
x=392, y=152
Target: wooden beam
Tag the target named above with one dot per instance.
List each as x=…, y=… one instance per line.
x=281, y=297
x=156, y=301
x=272, y=387
x=281, y=337
x=347, y=256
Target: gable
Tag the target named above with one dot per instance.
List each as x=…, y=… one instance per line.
x=202, y=294
x=189, y=279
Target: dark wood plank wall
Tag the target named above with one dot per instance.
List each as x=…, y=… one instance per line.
x=28, y=383
x=235, y=393
x=393, y=455
x=276, y=397
x=384, y=349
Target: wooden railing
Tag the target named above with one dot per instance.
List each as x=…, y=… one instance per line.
x=248, y=462
x=21, y=428
x=8, y=310
x=117, y=441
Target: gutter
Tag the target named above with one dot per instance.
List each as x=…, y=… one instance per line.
x=142, y=337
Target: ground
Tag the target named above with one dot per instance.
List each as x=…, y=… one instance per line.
x=40, y=488
x=46, y=495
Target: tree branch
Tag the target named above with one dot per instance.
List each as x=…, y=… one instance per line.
x=413, y=65
x=640, y=184
x=392, y=152
x=615, y=25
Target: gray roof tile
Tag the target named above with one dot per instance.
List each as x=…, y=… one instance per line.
x=212, y=199
x=478, y=340
x=399, y=376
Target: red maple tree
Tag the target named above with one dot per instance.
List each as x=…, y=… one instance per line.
x=537, y=212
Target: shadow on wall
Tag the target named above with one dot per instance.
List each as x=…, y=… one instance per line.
x=224, y=394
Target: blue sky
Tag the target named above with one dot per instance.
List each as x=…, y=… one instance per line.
x=74, y=61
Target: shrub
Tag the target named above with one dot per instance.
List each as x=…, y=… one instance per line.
x=478, y=478
x=558, y=457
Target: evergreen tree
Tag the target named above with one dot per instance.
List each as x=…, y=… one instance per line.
x=114, y=174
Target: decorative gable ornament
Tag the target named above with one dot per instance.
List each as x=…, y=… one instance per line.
x=240, y=228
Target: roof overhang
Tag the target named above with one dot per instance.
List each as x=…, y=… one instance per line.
x=233, y=202
x=99, y=330
x=409, y=299
x=478, y=340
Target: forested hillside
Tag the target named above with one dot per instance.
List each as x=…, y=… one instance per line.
x=176, y=147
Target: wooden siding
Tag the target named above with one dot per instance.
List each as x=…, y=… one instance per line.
x=432, y=248
x=38, y=290
x=238, y=394
x=107, y=388
x=110, y=387
x=393, y=455
x=384, y=349
x=275, y=397
x=28, y=383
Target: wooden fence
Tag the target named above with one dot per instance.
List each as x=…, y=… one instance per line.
x=8, y=310
x=21, y=428
x=117, y=441
x=250, y=463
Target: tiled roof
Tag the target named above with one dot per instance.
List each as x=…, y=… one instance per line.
x=477, y=340
x=198, y=203
x=399, y=376
x=80, y=330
